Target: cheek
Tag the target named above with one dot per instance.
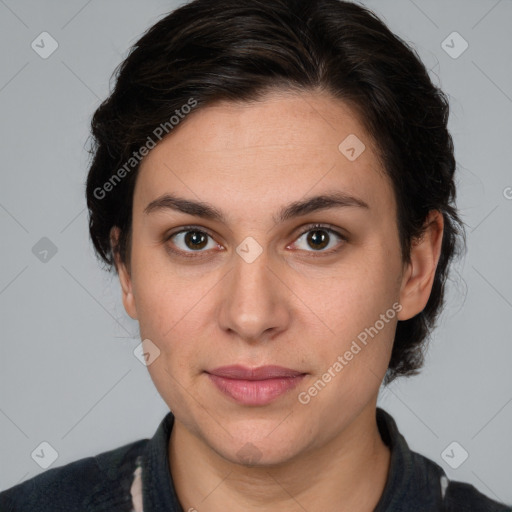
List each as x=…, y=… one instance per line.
x=348, y=308
x=175, y=312
x=345, y=299
x=168, y=312
x=162, y=295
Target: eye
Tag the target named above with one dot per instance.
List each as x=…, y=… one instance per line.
x=319, y=237
x=192, y=240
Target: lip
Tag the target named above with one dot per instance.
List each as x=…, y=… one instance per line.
x=255, y=386
x=260, y=373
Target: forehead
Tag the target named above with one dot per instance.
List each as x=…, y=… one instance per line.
x=265, y=153
x=282, y=120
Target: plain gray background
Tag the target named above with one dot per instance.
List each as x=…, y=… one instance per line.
x=68, y=375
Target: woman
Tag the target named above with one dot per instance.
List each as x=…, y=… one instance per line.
x=274, y=184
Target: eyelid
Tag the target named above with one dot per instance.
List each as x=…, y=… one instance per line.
x=319, y=225
x=304, y=229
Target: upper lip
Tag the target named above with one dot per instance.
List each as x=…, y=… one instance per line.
x=260, y=373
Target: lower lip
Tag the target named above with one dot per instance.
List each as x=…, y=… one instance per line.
x=255, y=392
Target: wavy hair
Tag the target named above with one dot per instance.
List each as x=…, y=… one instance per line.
x=237, y=51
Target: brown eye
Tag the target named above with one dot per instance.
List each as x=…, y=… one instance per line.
x=319, y=237
x=189, y=241
x=195, y=239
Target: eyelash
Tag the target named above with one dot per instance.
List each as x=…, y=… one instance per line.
x=199, y=254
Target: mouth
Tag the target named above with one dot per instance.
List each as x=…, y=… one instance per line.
x=255, y=386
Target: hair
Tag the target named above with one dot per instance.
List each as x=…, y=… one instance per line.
x=238, y=51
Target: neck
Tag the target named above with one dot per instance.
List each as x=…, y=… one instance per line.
x=347, y=473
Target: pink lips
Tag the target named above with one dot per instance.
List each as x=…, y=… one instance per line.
x=254, y=386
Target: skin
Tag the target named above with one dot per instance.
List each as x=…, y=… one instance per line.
x=291, y=306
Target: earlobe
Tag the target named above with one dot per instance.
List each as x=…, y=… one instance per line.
x=124, y=276
x=419, y=275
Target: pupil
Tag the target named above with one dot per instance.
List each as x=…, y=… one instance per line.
x=316, y=239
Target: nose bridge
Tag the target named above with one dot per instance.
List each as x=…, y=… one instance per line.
x=253, y=303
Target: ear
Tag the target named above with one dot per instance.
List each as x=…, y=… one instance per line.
x=124, y=276
x=419, y=274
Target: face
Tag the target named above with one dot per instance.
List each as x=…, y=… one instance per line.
x=264, y=284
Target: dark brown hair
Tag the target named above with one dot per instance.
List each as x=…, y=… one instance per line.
x=210, y=50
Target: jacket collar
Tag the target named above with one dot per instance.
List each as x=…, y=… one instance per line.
x=411, y=476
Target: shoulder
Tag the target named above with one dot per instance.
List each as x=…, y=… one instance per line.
x=453, y=495
x=101, y=482
x=416, y=482
x=464, y=497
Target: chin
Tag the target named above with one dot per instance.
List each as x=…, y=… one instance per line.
x=257, y=449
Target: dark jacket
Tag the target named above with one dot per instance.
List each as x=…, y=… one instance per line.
x=102, y=483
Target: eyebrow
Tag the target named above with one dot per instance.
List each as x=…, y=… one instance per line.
x=292, y=210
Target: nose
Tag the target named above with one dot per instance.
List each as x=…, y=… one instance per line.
x=255, y=300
